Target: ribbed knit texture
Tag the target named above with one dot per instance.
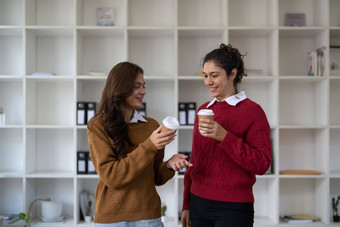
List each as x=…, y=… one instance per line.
x=126, y=188
x=225, y=171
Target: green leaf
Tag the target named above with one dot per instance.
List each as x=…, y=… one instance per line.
x=22, y=216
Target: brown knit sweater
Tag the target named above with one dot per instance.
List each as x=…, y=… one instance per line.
x=126, y=188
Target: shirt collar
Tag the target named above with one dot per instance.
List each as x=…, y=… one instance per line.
x=137, y=117
x=232, y=100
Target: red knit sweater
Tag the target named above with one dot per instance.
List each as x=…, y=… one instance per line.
x=225, y=170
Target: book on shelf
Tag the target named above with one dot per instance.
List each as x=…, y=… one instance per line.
x=299, y=218
x=317, y=62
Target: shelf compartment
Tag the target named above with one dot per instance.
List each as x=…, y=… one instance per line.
x=334, y=52
x=260, y=56
x=11, y=12
x=50, y=50
x=99, y=50
x=50, y=102
x=157, y=92
x=334, y=107
x=334, y=17
x=259, y=13
x=49, y=151
x=315, y=11
x=193, y=91
x=264, y=93
x=11, y=195
x=60, y=190
x=12, y=53
x=50, y=12
x=82, y=142
x=14, y=110
x=185, y=140
x=164, y=191
x=334, y=147
x=12, y=151
x=266, y=203
x=294, y=45
x=90, y=90
x=87, y=11
x=153, y=50
x=303, y=149
x=303, y=103
x=304, y=196
x=152, y=13
x=201, y=13
x=193, y=45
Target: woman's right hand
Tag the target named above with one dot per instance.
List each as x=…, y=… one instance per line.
x=161, y=139
x=185, y=219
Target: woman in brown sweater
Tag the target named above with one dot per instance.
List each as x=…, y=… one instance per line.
x=127, y=150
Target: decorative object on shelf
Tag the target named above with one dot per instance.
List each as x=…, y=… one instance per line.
x=334, y=60
x=27, y=216
x=9, y=218
x=295, y=19
x=300, y=172
x=317, y=62
x=84, y=202
x=163, y=212
x=2, y=117
x=88, y=217
x=298, y=218
x=335, y=203
x=51, y=212
x=105, y=16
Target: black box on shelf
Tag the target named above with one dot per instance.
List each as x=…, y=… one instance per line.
x=182, y=113
x=81, y=113
x=191, y=113
x=82, y=162
x=186, y=113
x=187, y=153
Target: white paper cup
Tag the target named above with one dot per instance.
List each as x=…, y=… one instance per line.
x=51, y=210
x=205, y=113
x=170, y=123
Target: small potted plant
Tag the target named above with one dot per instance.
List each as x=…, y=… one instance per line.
x=335, y=203
x=27, y=216
x=88, y=217
x=163, y=210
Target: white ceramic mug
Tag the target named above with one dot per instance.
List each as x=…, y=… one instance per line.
x=51, y=209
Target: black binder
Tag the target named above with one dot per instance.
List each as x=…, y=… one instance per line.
x=191, y=113
x=182, y=113
x=142, y=109
x=82, y=162
x=81, y=113
x=90, y=166
x=90, y=110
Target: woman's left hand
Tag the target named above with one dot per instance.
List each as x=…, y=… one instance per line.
x=212, y=129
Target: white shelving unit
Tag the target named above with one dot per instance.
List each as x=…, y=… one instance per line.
x=168, y=39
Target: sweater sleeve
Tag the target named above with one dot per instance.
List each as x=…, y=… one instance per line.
x=253, y=152
x=162, y=173
x=117, y=173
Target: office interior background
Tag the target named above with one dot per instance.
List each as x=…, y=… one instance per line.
x=53, y=55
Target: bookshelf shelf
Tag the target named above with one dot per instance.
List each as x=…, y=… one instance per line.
x=168, y=39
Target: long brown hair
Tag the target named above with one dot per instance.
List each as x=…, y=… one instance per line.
x=119, y=85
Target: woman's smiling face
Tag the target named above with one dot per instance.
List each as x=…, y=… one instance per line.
x=219, y=84
x=134, y=101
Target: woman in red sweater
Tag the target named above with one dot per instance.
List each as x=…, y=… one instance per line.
x=228, y=151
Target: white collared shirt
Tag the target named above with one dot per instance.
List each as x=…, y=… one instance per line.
x=232, y=100
x=137, y=117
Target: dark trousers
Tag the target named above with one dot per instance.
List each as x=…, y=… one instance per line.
x=210, y=213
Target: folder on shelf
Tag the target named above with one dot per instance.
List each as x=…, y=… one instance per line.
x=182, y=113
x=90, y=166
x=82, y=162
x=90, y=110
x=142, y=109
x=191, y=113
x=81, y=113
